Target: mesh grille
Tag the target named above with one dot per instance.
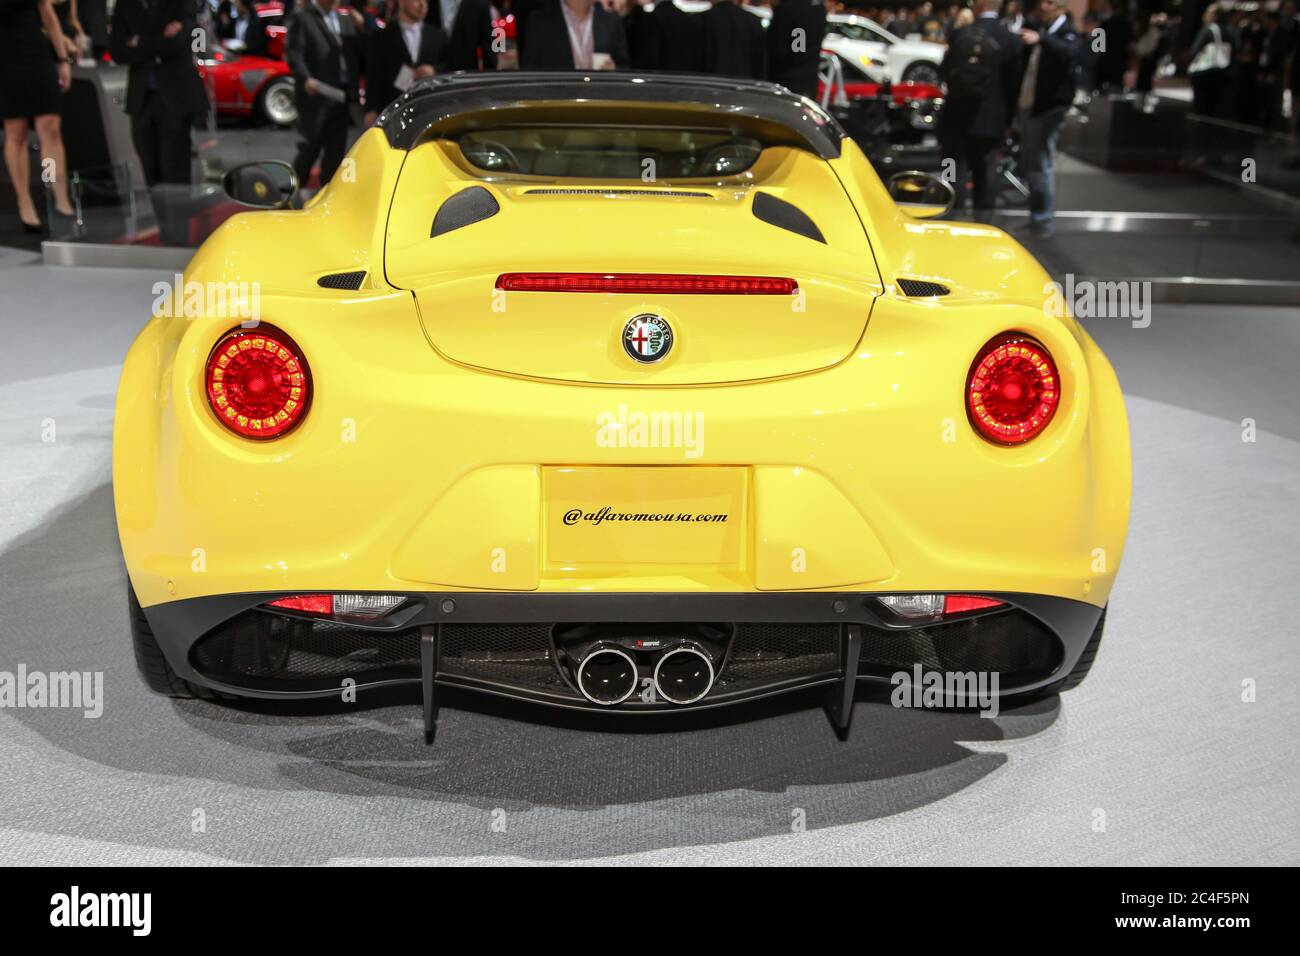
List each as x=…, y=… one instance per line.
x=342, y=280
x=257, y=648
x=1013, y=644
x=769, y=653
x=517, y=654
x=921, y=288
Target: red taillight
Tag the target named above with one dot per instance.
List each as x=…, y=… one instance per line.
x=1013, y=390
x=311, y=603
x=957, y=603
x=257, y=382
x=645, y=283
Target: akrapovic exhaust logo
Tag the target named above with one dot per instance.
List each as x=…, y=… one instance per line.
x=75, y=909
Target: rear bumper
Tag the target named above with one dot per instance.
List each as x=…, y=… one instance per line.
x=513, y=645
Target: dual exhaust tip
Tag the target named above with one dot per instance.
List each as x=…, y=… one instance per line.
x=608, y=675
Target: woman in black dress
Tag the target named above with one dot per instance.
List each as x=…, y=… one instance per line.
x=35, y=67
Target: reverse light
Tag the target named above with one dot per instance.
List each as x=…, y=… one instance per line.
x=1013, y=389
x=257, y=382
x=365, y=606
x=645, y=283
x=933, y=605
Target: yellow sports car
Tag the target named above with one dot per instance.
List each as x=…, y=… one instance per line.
x=615, y=392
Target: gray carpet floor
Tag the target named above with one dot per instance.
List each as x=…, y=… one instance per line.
x=1156, y=759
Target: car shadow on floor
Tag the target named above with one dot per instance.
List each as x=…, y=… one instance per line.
x=564, y=778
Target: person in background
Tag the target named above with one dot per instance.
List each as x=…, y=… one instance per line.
x=900, y=24
x=794, y=43
x=467, y=27
x=1112, y=61
x=644, y=44
x=93, y=15
x=1013, y=15
x=35, y=70
x=964, y=18
x=1283, y=45
x=575, y=35
x=681, y=38
x=928, y=23
x=164, y=96
x=246, y=28
x=1046, y=93
x=322, y=49
x=1249, y=67
x=734, y=44
x=409, y=48
x=982, y=71
x=1207, y=68
x=1152, y=44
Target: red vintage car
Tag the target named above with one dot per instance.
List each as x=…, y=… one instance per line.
x=244, y=86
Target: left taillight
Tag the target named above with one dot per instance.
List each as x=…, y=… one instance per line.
x=1013, y=389
x=257, y=382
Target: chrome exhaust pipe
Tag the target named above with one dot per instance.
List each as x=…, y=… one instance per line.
x=683, y=675
x=607, y=676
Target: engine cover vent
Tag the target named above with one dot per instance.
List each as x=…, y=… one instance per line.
x=787, y=216
x=342, y=280
x=464, y=209
x=922, y=288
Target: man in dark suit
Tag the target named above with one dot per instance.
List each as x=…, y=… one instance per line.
x=164, y=95
x=246, y=28
x=322, y=49
x=794, y=44
x=681, y=38
x=982, y=71
x=467, y=27
x=734, y=44
x=575, y=35
x=409, y=48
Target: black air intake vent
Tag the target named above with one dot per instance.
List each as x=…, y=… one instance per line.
x=920, y=288
x=342, y=280
x=787, y=216
x=464, y=209
x=574, y=191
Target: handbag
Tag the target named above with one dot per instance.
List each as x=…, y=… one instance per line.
x=1215, y=55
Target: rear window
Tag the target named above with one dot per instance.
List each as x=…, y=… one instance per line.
x=604, y=152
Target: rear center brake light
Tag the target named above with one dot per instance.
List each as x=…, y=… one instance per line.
x=645, y=283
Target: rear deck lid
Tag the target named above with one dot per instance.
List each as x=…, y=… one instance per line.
x=804, y=230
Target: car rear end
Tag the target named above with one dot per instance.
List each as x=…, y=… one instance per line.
x=482, y=483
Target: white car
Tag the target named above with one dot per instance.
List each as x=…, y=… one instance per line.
x=883, y=56
x=901, y=61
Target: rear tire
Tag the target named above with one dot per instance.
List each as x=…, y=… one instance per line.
x=151, y=663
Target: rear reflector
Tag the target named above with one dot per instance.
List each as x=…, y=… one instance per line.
x=341, y=605
x=645, y=283
x=957, y=603
x=311, y=603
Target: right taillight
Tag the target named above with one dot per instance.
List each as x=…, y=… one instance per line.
x=257, y=382
x=1013, y=389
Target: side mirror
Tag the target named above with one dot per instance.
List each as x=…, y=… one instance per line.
x=266, y=185
x=921, y=195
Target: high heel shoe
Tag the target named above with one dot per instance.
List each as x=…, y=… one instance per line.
x=32, y=229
